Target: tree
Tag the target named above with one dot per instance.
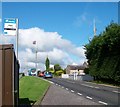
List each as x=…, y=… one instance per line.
x=47, y=64
x=51, y=69
x=64, y=70
x=103, y=54
x=57, y=67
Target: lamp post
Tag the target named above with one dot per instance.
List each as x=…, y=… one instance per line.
x=36, y=58
x=36, y=51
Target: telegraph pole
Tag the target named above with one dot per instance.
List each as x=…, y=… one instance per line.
x=94, y=29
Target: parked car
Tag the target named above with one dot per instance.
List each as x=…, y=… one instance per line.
x=40, y=74
x=48, y=74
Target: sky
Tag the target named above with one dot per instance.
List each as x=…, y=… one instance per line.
x=60, y=29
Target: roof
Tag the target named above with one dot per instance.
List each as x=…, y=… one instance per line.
x=75, y=67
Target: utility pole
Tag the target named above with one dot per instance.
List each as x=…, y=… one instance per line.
x=94, y=29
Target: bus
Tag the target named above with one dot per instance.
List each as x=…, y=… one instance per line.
x=32, y=72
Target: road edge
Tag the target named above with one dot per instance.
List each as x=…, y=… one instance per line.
x=39, y=101
x=103, y=84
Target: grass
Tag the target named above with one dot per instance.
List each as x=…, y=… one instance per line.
x=31, y=89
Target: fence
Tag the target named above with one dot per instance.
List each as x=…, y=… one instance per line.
x=82, y=77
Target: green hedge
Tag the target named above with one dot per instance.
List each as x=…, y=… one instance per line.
x=103, y=54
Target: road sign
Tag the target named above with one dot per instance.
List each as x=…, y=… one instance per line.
x=10, y=27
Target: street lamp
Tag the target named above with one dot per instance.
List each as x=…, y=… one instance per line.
x=36, y=51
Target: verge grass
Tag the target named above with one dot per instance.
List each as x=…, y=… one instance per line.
x=32, y=89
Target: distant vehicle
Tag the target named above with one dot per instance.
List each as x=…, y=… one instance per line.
x=40, y=74
x=32, y=72
x=48, y=74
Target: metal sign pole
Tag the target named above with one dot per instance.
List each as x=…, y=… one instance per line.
x=17, y=37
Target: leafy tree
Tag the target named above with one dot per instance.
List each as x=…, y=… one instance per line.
x=57, y=67
x=86, y=70
x=64, y=70
x=47, y=64
x=51, y=69
x=59, y=73
x=103, y=54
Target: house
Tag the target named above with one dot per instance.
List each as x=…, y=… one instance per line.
x=79, y=69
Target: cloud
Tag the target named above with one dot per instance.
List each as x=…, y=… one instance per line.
x=51, y=44
x=47, y=41
x=57, y=56
x=7, y=39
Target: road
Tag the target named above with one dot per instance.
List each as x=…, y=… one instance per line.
x=98, y=93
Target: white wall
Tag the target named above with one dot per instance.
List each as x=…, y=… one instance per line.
x=65, y=76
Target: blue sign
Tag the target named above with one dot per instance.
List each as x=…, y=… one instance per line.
x=10, y=26
x=10, y=21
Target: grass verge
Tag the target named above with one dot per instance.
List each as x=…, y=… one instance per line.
x=31, y=89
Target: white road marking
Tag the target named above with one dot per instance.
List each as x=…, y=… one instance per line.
x=62, y=87
x=103, y=102
x=56, y=84
x=79, y=93
x=89, y=97
x=51, y=82
x=87, y=85
x=72, y=91
x=116, y=91
x=66, y=88
x=90, y=86
x=59, y=85
x=97, y=87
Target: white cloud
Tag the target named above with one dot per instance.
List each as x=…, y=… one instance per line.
x=7, y=39
x=49, y=44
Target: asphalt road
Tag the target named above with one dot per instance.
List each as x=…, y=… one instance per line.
x=98, y=93
x=59, y=96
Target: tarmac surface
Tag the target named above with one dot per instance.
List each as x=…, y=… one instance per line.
x=57, y=95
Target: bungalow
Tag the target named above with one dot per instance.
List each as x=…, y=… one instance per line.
x=79, y=69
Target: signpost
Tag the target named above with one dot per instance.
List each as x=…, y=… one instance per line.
x=11, y=29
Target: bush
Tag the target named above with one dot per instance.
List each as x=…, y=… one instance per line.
x=86, y=70
x=59, y=73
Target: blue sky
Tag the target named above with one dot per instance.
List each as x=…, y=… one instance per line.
x=73, y=21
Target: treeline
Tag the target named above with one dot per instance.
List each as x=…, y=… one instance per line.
x=103, y=54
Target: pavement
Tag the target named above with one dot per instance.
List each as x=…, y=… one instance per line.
x=57, y=95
